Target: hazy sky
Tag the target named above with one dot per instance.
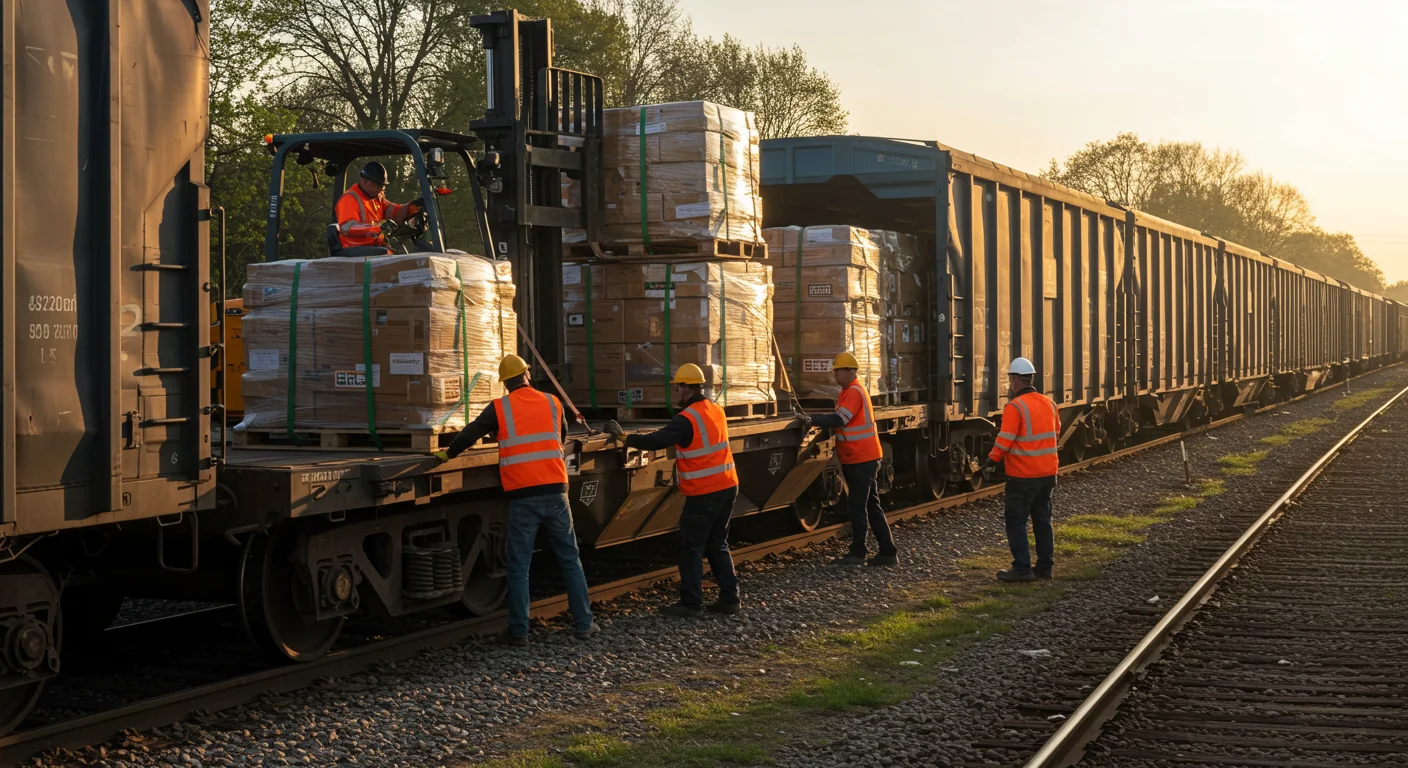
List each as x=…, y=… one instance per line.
x=1314, y=93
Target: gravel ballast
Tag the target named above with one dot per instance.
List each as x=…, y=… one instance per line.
x=455, y=706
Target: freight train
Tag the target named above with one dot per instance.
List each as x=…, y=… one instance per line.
x=113, y=488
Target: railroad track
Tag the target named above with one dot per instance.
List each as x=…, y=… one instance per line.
x=207, y=697
x=1299, y=661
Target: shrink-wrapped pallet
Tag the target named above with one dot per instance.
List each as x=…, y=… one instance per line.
x=678, y=172
x=847, y=289
x=630, y=325
x=827, y=301
x=430, y=328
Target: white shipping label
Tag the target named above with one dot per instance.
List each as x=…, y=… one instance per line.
x=624, y=396
x=414, y=275
x=819, y=290
x=649, y=128
x=572, y=274
x=263, y=359
x=407, y=363
x=576, y=320
x=358, y=378
x=691, y=210
x=816, y=366
x=820, y=236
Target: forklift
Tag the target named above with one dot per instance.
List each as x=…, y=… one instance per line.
x=539, y=122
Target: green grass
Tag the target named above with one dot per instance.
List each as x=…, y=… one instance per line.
x=1295, y=429
x=1210, y=488
x=1172, y=505
x=1364, y=397
x=535, y=758
x=1241, y=464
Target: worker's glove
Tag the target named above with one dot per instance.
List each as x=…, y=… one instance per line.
x=387, y=227
x=987, y=469
x=440, y=456
x=806, y=420
x=614, y=432
x=417, y=203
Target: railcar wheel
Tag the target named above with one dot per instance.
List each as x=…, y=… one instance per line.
x=276, y=600
x=486, y=580
x=808, y=512
x=28, y=644
x=928, y=475
x=975, y=481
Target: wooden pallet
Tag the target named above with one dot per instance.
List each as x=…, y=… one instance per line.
x=662, y=413
x=667, y=250
x=403, y=440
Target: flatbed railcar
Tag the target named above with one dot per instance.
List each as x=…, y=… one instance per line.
x=112, y=489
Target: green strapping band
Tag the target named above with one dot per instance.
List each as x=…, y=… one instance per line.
x=797, y=316
x=644, y=205
x=591, y=344
x=368, y=376
x=293, y=352
x=669, y=297
x=465, y=386
x=723, y=329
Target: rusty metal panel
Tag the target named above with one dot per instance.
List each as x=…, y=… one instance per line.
x=105, y=123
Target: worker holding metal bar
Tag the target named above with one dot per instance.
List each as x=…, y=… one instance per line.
x=1026, y=444
x=858, y=448
x=531, y=428
x=704, y=468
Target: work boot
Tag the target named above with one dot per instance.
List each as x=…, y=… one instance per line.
x=725, y=608
x=849, y=560
x=1042, y=575
x=682, y=611
x=589, y=632
x=507, y=638
x=1016, y=575
x=883, y=561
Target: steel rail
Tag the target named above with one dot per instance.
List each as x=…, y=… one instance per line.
x=164, y=710
x=1067, y=746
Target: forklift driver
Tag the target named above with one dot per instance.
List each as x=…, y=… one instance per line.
x=365, y=217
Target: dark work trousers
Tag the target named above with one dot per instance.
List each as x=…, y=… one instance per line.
x=1030, y=497
x=704, y=534
x=863, y=497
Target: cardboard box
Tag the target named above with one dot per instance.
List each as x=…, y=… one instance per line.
x=606, y=324
x=427, y=364
x=701, y=174
x=822, y=246
x=826, y=284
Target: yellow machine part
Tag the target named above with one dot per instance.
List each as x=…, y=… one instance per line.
x=233, y=359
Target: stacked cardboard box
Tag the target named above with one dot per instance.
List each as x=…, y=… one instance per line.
x=630, y=325
x=432, y=326
x=842, y=289
x=695, y=166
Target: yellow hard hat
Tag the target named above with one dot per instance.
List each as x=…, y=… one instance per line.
x=688, y=373
x=844, y=360
x=510, y=366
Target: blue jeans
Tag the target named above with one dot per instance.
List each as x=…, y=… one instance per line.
x=1030, y=497
x=552, y=513
x=704, y=534
x=863, y=500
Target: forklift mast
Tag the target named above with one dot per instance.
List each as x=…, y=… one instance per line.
x=539, y=123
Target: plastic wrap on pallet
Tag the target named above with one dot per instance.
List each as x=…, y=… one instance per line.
x=434, y=327
x=827, y=301
x=625, y=342
x=696, y=164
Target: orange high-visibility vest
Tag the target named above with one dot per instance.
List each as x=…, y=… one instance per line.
x=359, y=217
x=858, y=441
x=1030, y=427
x=530, y=439
x=706, y=465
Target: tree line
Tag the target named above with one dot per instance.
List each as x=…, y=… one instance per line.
x=285, y=66
x=1212, y=191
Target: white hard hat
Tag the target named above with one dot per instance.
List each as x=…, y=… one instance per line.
x=1022, y=367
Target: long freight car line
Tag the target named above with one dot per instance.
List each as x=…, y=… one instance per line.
x=236, y=691
x=1299, y=663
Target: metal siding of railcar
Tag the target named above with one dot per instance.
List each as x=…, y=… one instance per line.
x=105, y=119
